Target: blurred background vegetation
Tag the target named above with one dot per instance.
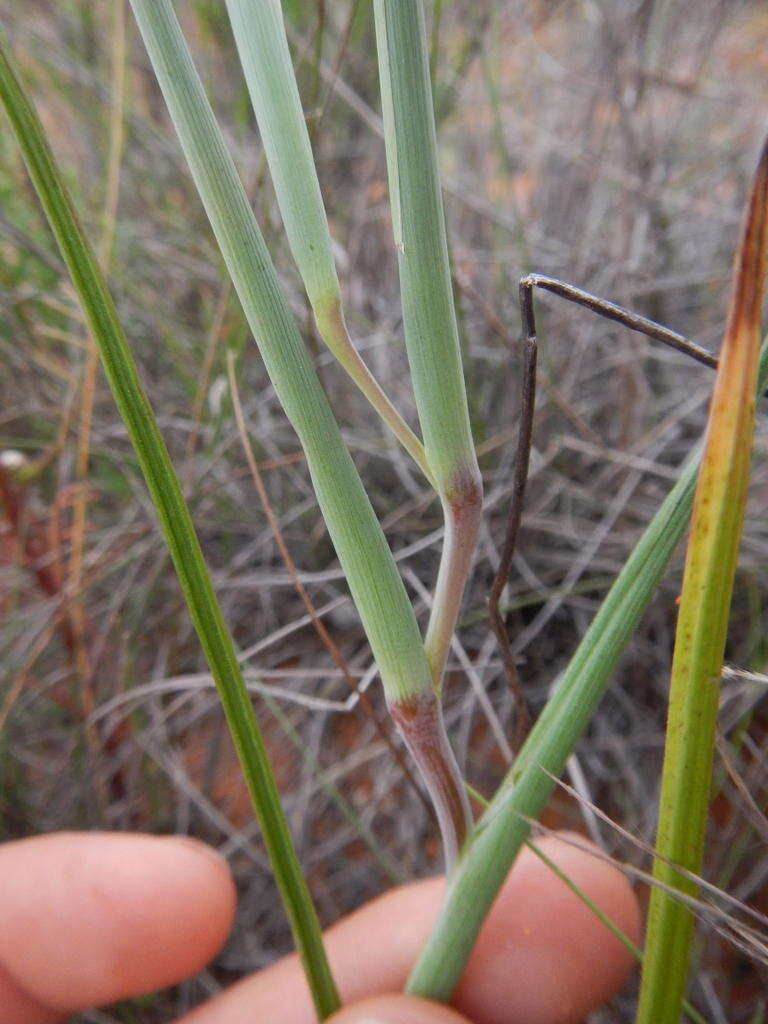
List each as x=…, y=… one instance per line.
x=605, y=143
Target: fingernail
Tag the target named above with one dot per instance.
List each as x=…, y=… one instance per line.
x=350, y=1017
x=397, y=1010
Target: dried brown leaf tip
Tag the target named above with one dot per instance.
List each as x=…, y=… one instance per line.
x=733, y=401
x=745, y=311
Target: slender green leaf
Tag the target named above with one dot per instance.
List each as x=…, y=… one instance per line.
x=259, y=32
x=702, y=626
x=429, y=315
x=431, y=332
x=263, y=48
x=177, y=527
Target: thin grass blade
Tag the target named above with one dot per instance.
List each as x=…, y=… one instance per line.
x=429, y=315
x=259, y=32
x=177, y=527
x=431, y=330
x=702, y=625
x=261, y=41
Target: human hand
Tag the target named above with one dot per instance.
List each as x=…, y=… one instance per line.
x=88, y=919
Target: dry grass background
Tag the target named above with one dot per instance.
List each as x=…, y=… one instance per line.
x=605, y=143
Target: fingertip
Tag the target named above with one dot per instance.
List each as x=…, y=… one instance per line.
x=89, y=919
x=212, y=865
x=18, y=1007
x=397, y=1009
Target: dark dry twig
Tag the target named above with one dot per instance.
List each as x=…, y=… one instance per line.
x=522, y=459
x=611, y=311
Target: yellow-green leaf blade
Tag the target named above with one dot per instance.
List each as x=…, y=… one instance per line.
x=703, y=621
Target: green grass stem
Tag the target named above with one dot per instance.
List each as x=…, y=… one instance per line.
x=365, y=557
x=368, y=564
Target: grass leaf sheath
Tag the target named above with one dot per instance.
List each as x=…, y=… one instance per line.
x=177, y=527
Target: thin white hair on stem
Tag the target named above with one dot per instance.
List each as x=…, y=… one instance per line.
x=709, y=887
x=754, y=942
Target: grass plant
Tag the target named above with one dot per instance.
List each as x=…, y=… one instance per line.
x=412, y=666
x=429, y=316
x=370, y=570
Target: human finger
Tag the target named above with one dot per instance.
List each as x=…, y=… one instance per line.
x=91, y=918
